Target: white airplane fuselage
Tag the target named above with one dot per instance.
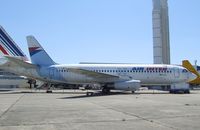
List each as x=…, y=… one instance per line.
x=147, y=74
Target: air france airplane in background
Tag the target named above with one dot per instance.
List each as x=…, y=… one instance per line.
x=9, y=47
x=128, y=77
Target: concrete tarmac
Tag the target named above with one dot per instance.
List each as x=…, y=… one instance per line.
x=71, y=110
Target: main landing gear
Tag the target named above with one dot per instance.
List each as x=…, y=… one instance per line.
x=49, y=88
x=106, y=90
x=32, y=82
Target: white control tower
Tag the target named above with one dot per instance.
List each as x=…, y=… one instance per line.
x=161, y=43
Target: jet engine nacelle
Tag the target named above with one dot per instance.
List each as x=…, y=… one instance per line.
x=130, y=85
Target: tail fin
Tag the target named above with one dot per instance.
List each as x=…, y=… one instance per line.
x=37, y=53
x=8, y=46
x=189, y=67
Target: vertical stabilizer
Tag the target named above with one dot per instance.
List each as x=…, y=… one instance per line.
x=38, y=55
x=8, y=46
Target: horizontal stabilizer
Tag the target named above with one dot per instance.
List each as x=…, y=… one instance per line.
x=20, y=62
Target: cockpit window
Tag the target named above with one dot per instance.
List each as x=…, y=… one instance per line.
x=185, y=71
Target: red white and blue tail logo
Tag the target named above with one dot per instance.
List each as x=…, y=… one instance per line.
x=38, y=55
x=8, y=46
x=3, y=50
x=34, y=50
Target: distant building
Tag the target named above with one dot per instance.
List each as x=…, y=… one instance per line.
x=161, y=40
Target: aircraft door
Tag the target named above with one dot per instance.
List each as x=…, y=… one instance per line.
x=176, y=73
x=51, y=73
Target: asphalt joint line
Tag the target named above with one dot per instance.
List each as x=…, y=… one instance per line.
x=139, y=117
x=11, y=106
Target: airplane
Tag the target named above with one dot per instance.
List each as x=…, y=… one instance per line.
x=9, y=47
x=127, y=77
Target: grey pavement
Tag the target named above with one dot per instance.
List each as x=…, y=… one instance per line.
x=120, y=111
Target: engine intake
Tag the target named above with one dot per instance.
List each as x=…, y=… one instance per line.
x=130, y=85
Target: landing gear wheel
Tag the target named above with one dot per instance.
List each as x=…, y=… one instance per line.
x=187, y=91
x=89, y=93
x=105, y=90
x=49, y=91
x=133, y=92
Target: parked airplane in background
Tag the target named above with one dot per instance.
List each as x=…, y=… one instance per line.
x=9, y=47
x=191, y=68
x=128, y=77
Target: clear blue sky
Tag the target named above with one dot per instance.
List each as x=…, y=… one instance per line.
x=72, y=31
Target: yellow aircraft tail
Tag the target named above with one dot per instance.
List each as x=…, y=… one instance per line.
x=189, y=67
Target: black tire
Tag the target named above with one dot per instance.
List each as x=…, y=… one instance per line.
x=105, y=90
x=49, y=91
x=187, y=91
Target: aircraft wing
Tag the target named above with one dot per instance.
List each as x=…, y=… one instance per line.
x=20, y=62
x=95, y=75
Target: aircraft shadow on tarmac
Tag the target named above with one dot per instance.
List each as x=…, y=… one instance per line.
x=99, y=94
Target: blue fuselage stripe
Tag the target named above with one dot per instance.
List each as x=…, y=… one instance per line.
x=6, y=45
